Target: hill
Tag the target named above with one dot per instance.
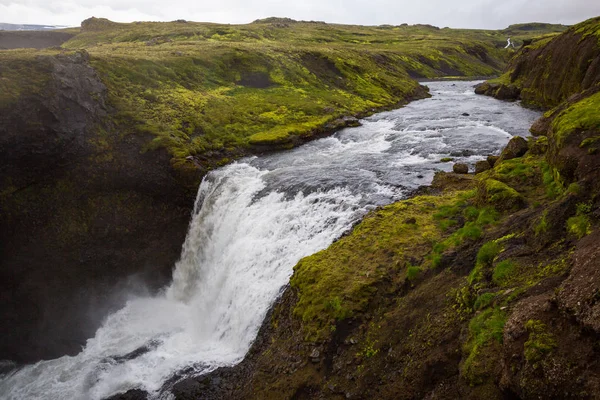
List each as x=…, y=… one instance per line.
x=104, y=140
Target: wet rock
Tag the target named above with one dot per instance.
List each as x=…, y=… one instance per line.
x=485, y=88
x=460, y=168
x=465, y=114
x=510, y=92
x=516, y=147
x=492, y=160
x=540, y=126
x=481, y=166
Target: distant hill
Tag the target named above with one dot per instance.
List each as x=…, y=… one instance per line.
x=25, y=27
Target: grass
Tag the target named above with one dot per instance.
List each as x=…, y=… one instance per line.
x=580, y=225
x=485, y=334
x=582, y=115
x=345, y=273
x=212, y=90
x=485, y=257
x=503, y=271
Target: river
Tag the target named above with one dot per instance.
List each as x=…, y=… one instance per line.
x=253, y=221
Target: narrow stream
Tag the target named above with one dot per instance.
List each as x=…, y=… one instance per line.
x=253, y=221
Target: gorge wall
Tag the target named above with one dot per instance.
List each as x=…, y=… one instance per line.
x=500, y=302
x=104, y=140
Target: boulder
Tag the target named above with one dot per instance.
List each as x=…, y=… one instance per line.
x=492, y=160
x=460, y=168
x=516, y=147
x=499, y=194
x=510, y=92
x=481, y=166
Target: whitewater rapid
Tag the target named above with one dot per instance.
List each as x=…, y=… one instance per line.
x=252, y=222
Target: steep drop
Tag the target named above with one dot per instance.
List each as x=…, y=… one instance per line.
x=252, y=222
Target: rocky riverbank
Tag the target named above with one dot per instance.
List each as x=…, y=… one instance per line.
x=499, y=301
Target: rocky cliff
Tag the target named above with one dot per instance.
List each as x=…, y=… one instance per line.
x=482, y=286
x=549, y=69
x=104, y=140
x=86, y=216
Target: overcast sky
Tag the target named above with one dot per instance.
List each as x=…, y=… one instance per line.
x=491, y=14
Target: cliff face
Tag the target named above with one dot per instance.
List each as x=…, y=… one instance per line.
x=545, y=72
x=102, y=149
x=483, y=286
x=86, y=216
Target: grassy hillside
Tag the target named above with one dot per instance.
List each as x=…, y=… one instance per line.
x=482, y=287
x=211, y=91
x=90, y=133
x=546, y=71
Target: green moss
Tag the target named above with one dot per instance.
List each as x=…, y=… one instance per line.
x=484, y=301
x=503, y=272
x=485, y=335
x=579, y=226
x=412, y=272
x=485, y=257
x=498, y=194
x=552, y=181
x=446, y=159
x=540, y=342
x=582, y=115
x=542, y=225
x=518, y=169
x=349, y=269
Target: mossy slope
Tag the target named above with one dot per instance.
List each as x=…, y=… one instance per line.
x=551, y=68
x=487, y=289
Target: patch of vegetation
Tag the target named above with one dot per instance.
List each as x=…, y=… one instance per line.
x=485, y=257
x=485, y=335
x=542, y=225
x=338, y=282
x=582, y=115
x=476, y=219
x=498, y=194
x=540, y=342
x=412, y=272
x=579, y=225
x=503, y=271
x=552, y=181
x=483, y=301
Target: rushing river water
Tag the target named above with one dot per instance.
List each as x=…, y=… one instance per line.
x=253, y=221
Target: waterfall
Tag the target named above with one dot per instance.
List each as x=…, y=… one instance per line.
x=252, y=222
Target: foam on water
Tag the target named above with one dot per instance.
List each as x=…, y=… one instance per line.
x=252, y=221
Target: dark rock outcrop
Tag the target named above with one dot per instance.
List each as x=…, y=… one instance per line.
x=516, y=147
x=460, y=168
x=572, y=59
x=85, y=215
x=482, y=166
